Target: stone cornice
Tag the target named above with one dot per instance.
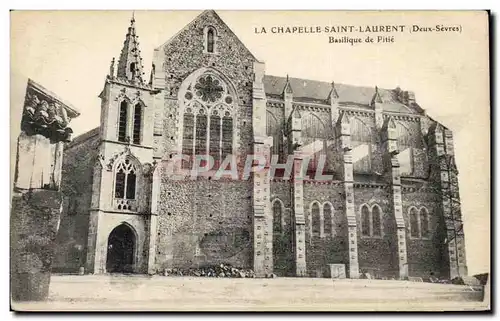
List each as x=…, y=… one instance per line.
x=71, y=111
x=45, y=114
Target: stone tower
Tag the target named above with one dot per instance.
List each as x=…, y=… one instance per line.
x=123, y=170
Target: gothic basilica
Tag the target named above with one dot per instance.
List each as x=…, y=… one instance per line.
x=390, y=208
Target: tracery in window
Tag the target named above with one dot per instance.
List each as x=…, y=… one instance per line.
x=125, y=180
x=209, y=119
x=209, y=89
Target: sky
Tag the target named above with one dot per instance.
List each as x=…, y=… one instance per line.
x=69, y=53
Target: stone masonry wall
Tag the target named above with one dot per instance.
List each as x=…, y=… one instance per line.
x=331, y=248
x=204, y=222
x=425, y=256
x=283, y=255
x=376, y=255
x=231, y=58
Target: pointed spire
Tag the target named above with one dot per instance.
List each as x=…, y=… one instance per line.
x=130, y=62
x=376, y=97
x=333, y=94
x=152, y=75
x=288, y=86
x=112, y=68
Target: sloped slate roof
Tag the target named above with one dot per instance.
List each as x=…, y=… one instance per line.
x=83, y=137
x=319, y=90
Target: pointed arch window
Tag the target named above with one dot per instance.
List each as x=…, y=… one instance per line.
x=137, y=124
x=419, y=223
x=315, y=219
x=414, y=224
x=210, y=40
x=122, y=122
x=376, y=221
x=125, y=187
x=125, y=180
x=371, y=221
x=208, y=121
x=424, y=222
x=277, y=216
x=328, y=220
x=365, y=221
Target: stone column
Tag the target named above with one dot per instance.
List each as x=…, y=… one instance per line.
x=36, y=198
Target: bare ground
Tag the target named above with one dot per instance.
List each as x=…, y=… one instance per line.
x=157, y=293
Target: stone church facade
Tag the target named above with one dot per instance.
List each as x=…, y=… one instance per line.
x=391, y=208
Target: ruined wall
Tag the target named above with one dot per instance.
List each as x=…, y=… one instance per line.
x=76, y=186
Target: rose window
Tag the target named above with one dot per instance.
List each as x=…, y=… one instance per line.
x=209, y=89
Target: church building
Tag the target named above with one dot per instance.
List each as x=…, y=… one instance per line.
x=391, y=208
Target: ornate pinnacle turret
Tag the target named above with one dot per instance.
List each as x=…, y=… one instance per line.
x=333, y=93
x=288, y=86
x=376, y=97
x=130, y=62
x=112, y=68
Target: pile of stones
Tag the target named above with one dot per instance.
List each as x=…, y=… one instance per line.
x=215, y=271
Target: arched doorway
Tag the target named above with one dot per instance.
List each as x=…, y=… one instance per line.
x=121, y=249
